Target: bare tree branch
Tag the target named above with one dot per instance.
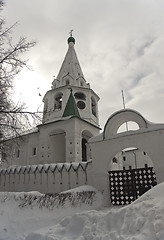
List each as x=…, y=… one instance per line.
x=13, y=117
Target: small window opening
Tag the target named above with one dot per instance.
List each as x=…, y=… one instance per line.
x=18, y=153
x=81, y=84
x=124, y=158
x=80, y=95
x=144, y=153
x=114, y=160
x=67, y=82
x=123, y=168
x=130, y=167
x=34, y=151
x=146, y=165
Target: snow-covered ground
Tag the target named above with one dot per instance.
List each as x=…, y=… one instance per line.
x=79, y=214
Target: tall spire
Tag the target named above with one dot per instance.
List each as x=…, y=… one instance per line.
x=70, y=72
x=82, y=102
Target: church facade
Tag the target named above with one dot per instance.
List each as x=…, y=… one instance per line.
x=67, y=150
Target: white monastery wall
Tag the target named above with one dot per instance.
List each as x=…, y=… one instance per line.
x=48, y=178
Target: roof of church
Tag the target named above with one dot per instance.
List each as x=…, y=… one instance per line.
x=71, y=107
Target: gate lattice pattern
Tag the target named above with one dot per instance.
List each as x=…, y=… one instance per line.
x=128, y=185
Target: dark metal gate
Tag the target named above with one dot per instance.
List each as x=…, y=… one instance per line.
x=128, y=185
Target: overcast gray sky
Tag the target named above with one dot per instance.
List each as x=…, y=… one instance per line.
x=119, y=43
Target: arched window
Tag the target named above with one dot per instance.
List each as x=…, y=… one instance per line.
x=80, y=95
x=84, y=150
x=58, y=101
x=93, y=105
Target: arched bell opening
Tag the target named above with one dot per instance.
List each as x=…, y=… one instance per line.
x=58, y=101
x=80, y=95
x=93, y=106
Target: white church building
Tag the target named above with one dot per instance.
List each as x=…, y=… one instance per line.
x=70, y=118
x=67, y=150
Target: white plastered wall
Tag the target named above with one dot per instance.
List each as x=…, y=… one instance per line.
x=56, y=142
x=61, y=178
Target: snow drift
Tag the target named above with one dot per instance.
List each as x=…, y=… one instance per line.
x=141, y=220
x=21, y=213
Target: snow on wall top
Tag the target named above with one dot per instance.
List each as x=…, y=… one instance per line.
x=46, y=167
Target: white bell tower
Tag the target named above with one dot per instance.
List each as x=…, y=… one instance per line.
x=71, y=77
x=72, y=99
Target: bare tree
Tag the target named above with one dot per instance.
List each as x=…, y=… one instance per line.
x=13, y=117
